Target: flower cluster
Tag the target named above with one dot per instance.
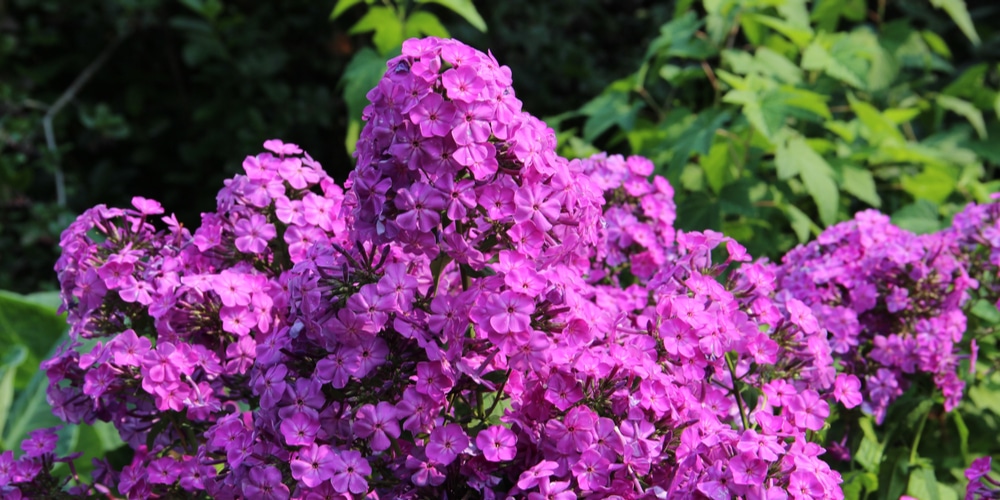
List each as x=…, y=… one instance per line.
x=981, y=485
x=474, y=315
x=891, y=302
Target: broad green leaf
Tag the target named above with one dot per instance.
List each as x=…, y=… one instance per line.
x=801, y=223
x=778, y=65
x=960, y=14
x=30, y=410
x=920, y=217
x=717, y=165
x=697, y=137
x=424, y=23
x=8, y=372
x=815, y=173
x=869, y=454
x=860, y=183
x=936, y=43
x=856, y=482
x=464, y=8
x=607, y=110
x=341, y=6
x=386, y=25
x=900, y=116
x=963, y=432
x=677, y=39
x=24, y=321
x=362, y=73
x=923, y=484
x=967, y=110
x=935, y=183
x=877, y=128
x=799, y=35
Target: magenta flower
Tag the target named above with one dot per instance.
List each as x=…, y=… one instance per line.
x=350, y=470
x=445, y=443
x=809, y=410
x=265, y=484
x=747, y=469
x=847, y=390
x=379, y=423
x=253, y=233
x=314, y=464
x=497, y=443
x=510, y=312
x=40, y=442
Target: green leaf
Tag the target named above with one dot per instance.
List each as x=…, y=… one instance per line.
x=923, y=484
x=697, y=137
x=424, y=23
x=607, y=110
x=860, y=183
x=800, y=222
x=341, y=6
x=870, y=451
x=920, y=217
x=877, y=128
x=986, y=311
x=464, y=8
x=717, y=165
x=362, y=73
x=30, y=410
x=967, y=110
x=799, y=35
x=8, y=372
x=698, y=212
x=386, y=25
x=960, y=14
x=935, y=183
x=815, y=172
x=24, y=321
x=963, y=432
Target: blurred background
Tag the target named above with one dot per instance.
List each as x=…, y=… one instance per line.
x=102, y=100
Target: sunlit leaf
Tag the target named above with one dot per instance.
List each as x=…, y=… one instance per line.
x=464, y=8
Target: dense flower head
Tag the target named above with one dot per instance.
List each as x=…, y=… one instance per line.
x=472, y=314
x=890, y=301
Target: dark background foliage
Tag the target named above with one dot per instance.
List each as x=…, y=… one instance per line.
x=188, y=88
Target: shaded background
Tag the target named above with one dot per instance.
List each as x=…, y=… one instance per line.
x=190, y=87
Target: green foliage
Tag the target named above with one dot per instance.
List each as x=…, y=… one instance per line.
x=815, y=111
x=30, y=331
x=390, y=24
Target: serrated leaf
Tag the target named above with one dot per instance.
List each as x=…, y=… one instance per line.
x=341, y=6
x=607, y=110
x=796, y=156
x=386, y=25
x=877, y=128
x=860, y=183
x=960, y=14
x=464, y=8
x=424, y=23
x=967, y=110
x=778, y=65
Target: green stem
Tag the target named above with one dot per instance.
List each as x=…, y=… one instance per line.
x=736, y=390
x=916, y=440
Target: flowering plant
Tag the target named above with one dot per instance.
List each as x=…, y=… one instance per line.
x=472, y=315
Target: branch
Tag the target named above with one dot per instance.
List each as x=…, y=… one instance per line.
x=64, y=99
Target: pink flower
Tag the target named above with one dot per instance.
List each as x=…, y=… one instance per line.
x=314, y=464
x=497, y=443
x=445, y=443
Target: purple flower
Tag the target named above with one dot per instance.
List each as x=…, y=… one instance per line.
x=350, y=471
x=497, y=443
x=445, y=443
x=314, y=464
